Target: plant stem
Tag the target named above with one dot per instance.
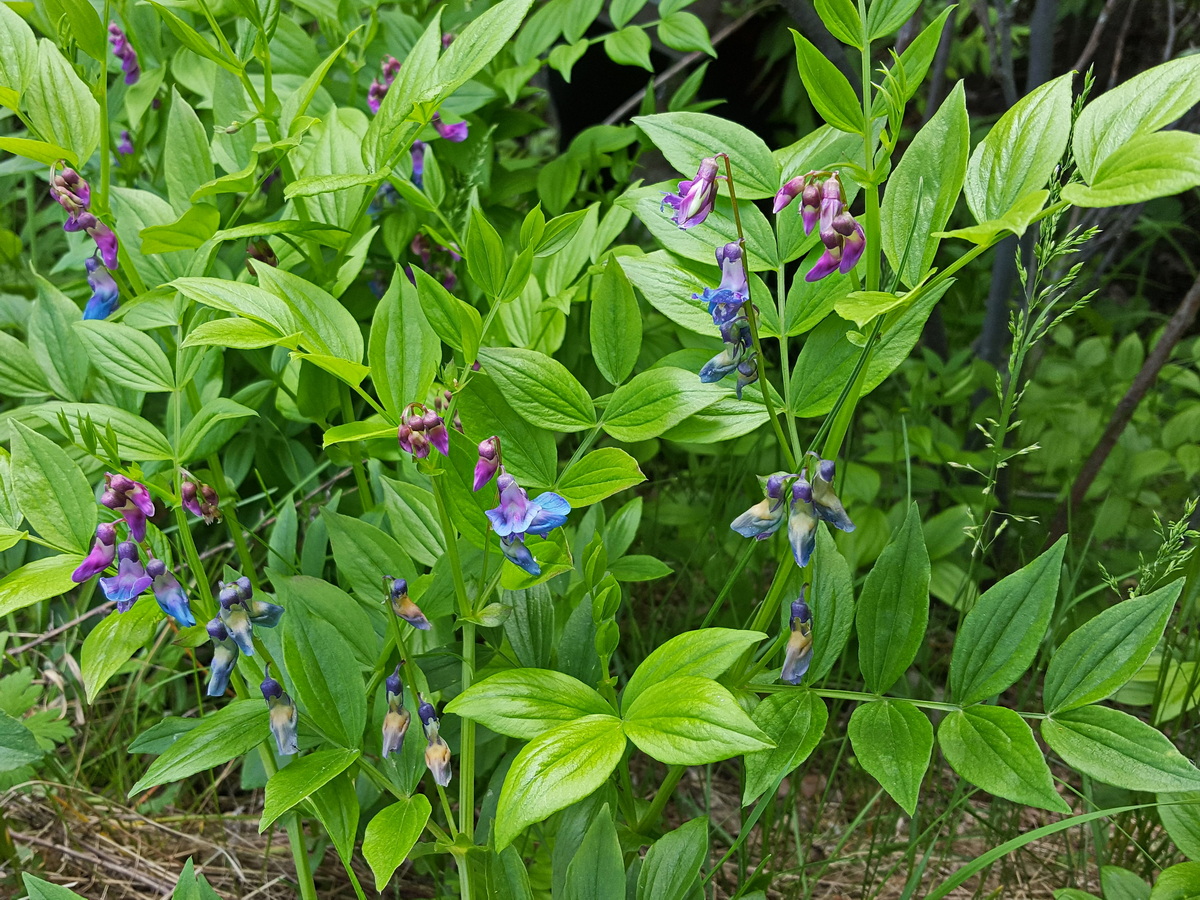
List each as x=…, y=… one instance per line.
x=660, y=799
x=355, y=450
x=105, y=155
x=785, y=359
x=229, y=512
x=727, y=588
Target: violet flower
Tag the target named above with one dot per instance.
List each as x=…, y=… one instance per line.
x=456, y=133
x=488, y=463
x=125, y=145
x=397, y=718
x=131, y=578
x=764, y=518
x=170, y=594
x=225, y=657
x=124, y=51
x=131, y=499
x=518, y=516
x=694, y=199
x=105, y=294
x=283, y=716
x=104, y=551
x=798, y=655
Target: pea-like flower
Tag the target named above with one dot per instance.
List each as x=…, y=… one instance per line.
x=728, y=305
x=825, y=502
x=437, y=751
x=170, y=594
x=131, y=499
x=105, y=295
x=517, y=516
x=799, y=651
x=72, y=193
x=283, y=715
x=694, y=199
x=402, y=604
x=397, y=718
x=125, y=144
x=843, y=237
x=201, y=500
x=390, y=67
x=764, y=518
x=106, y=240
x=802, y=522
x=225, y=657
x=422, y=428
x=131, y=578
x=259, y=251
x=790, y=190
x=235, y=616
x=104, y=551
x=124, y=51
x=488, y=463
x=456, y=133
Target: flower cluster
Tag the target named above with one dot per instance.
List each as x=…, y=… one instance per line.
x=74, y=195
x=283, y=715
x=390, y=68
x=131, y=499
x=232, y=631
x=800, y=642
x=437, y=751
x=728, y=304
x=201, y=500
x=694, y=200
x=396, y=719
x=124, y=51
x=402, y=604
x=812, y=499
x=823, y=204
x=419, y=431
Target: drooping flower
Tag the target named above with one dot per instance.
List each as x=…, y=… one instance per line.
x=106, y=240
x=105, y=295
x=225, y=657
x=124, y=51
x=72, y=193
x=402, y=604
x=437, y=752
x=843, y=237
x=810, y=207
x=799, y=651
x=170, y=594
x=131, y=578
x=389, y=67
x=259, y=251
x=235, y=616
x=517, y=516
x=419, y=431
x=764, y=518
x=488, y=463
x=131, y=499
x=125, y=145
x=727, y=304
x=825, y=502
x=396, y=719
x=694, y=199
x=104, y=551
x=200, y=499
x=283, y=716
x=786, y=194
x=456, y=133
x=802, y=522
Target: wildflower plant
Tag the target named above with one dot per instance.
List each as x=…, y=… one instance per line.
x=454, y=569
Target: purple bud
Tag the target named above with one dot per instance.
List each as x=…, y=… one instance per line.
x=456, y=133
x=826, y=469
x=125, y=145
x=695, y=199
x=104, y=550
x=810, y=207
x=244, y=588
x=394, y=685
x=852, y=249
x=488, y=463
x=787, y=194
x=775, y=487
x=802, y=491
x=427, y=712
x=270, y=687
x=831, y=203
x=844, y=224
x=216, y=630
x=228, y=596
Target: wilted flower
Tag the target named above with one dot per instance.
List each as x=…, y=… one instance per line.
x=131, y=499
x=419, y=431
x=258, y=250
x=764, y=518
x=457, y=133
x=131, y=578
x=488, y=463
x=283, y=716
x=402, y=604
x=695, y=199
x=800, y=646
x=125, y=145
x=104, y=551
x=200, y=499
x=225, y=656
x=169, y=593
x=802, y=523
x=825, y=502
x=396, y=719
x=517, y=516
x=104, y=300
x=437, y=752
x=124, y=51
x=390, y=66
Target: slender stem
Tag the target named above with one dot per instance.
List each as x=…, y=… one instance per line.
x=660, y=799
x=229, y=512
x=785, y=359
x=105, y=155
x=870, y=191
x=355, y=450
x=727, y=588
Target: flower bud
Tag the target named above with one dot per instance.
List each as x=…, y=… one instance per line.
x=810, y=206
x=104, y=551
x=695, y=199
x=403, y=606
x=488, y=463
x=787, y=194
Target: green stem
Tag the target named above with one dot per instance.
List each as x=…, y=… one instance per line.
x=229, y=512
x=355, y=450
x=105, y=156
x=727, y=588
x=660, y=799
x=295, y=830
x=870, y=191
x=785, y=360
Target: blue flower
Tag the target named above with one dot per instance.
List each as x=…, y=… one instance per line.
x=727, y=304
x=825, y=502
x=798, y=655
x=764, y=518
x=397, y=718
x=105, y=295
x=283, y=715
x=225, y=657
x=802, y=523
x=518, y=516
x=169, y=593
x=131, y=578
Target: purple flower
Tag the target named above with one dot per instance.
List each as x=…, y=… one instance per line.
x=727, y=306
x=283, y=716
x=131, y=500
x=124, y=51
x=389, y=67
x=810, y=207
x=397, y=718
x=854, y=241
x=418, y=164
x=694, y=199
x=842, y=236
x=788, y=193
x=201, y=500
x=402, y=604
x=517, y=515
x=125, y=145
x=799, y=651
x=131, y=578
x=802, y=523
x=235, y=616
x=419, y=431
x=764, y=518
x=106, y=240
x=225, y=656
x=72, y=193
x=829, y=262
x=825, y=502
x=169, y=593
x=457, y=133
x=105, y=295
x=104, y=551
x=488, y=463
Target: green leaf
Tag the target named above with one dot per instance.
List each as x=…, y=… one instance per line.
x=1180, y=814
x=668, y=287
x=51, y=490
x=321, y=666
x=114, y=640
x=656, y=400
x=685, y=138
x=717, y=230
x=223, y=735
x=45, y=890
x=487, y=260
x=893, y=608
x=313, y=185
x=638, y=568
x=1179, y=882
x=1149, y=166
x=187, y=159
x=686, y=32
x=36, y=581
x=244, y=300
x=540, y=389
x=191, y=39
x=479, y=43
x=708, y=652
x=18, y=51
x=993, y=748
x=629, y=47
x=924, y=187
x=144, y=365
x=1118, y=749
x=530, y=624
x=60, y=107
x=558, y=768
x=321, y=600
x=1142, y=105
x=832, y=603
x=458, y=324
x=365, y=553
x=523, y=703
x=828, y=90
x=621, y=11
x=795, y=720
x=842, y=19
x=190, y=230
x=1000, y=636
x=690, y=721
x=20, y=374
x=234, y=333
x=615, y=324
x=1015, y=221
x=403, y=350
x=218, y=410
x=597, y=475
x=671, y=870
x=886, y=16
x=415, y=521
x=325, y=323
x=893, y=741
x=391, y=834
x=136, y=438
x=1021, y=151
x=18, y=746
x=300, y=778
x=53, y=341
x=1105, y=652
x=529, y=451
x=597, y=870
x=39, y=151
